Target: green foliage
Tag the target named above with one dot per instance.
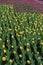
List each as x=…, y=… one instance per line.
x=21, y=37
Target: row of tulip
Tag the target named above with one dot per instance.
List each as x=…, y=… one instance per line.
x=21, y=37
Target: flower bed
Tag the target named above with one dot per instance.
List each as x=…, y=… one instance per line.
x=21, y=37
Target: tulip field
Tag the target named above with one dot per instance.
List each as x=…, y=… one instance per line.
x=21, y=37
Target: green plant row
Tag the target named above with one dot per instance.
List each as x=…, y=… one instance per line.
x=21, y=37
